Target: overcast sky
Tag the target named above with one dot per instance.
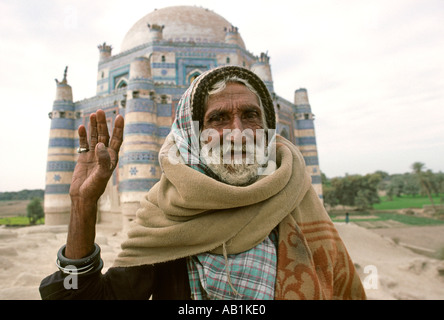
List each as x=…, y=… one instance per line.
x=374, y=71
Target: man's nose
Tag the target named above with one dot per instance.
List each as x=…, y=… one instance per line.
x=237, y=129
x=237, y=124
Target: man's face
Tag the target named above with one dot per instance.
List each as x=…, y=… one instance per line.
x=235, y=114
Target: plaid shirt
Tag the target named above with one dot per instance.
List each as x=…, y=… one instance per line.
x=252, y=273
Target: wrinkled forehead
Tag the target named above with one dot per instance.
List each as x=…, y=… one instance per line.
x=215, y=80
x=232, y=93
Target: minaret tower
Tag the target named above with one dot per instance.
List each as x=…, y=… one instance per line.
x=263, y=69
x=105, y=51
x=61, y=155
x=306, y=137
x=232, y=35
x=233, y=39
x=138, y=165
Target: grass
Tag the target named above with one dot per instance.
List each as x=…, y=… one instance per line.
x=18, y=221
x=409, y=220
x=404, y=202
x=385, y=216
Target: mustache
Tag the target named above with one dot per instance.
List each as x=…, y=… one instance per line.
x=230, y=148
x=232, y=153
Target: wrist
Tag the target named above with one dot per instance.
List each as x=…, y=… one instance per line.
x=84, y=208
x=84, y=202
x=81, y=230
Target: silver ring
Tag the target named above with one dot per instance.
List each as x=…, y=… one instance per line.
x=82, y=150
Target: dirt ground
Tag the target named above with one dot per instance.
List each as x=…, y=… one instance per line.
x=390, y=264
x=11, y=208
x=429, y=239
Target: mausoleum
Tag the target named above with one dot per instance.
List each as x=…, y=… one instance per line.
x=159, y=57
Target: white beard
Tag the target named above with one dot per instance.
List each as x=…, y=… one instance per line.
x=233, y=173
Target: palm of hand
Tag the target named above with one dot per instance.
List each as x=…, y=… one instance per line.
x=95, y=167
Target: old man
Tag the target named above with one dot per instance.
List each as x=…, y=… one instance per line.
x=234, y=215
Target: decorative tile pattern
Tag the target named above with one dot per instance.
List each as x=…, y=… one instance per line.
x=133, y=171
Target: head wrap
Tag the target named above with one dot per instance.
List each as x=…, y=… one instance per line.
x=205, y=81
x=191, y=110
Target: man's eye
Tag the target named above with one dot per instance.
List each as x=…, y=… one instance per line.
x=217, y=118
x=251, y=115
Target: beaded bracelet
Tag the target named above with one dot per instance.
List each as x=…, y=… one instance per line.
x=78, y=266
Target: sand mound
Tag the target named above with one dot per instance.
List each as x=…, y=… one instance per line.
x=388, y=270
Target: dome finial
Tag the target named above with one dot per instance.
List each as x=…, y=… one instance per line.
x=156, y=31
x=65, y=74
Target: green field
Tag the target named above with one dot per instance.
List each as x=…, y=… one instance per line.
x=18, y=221
x=386, y=216
x=405, y=202
x=383, y=211
x=410, y=220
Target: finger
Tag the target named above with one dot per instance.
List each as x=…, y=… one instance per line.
x=83, y=138
x=93, y=130
x=102, y=128
x=117, y=137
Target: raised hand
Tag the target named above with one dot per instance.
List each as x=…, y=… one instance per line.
x=95, y=165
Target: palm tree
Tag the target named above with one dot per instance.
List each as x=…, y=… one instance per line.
x=417, y=169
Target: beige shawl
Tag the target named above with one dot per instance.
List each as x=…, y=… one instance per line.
x=187, y=213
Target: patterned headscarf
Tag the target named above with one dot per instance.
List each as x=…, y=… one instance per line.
x=190, y=112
